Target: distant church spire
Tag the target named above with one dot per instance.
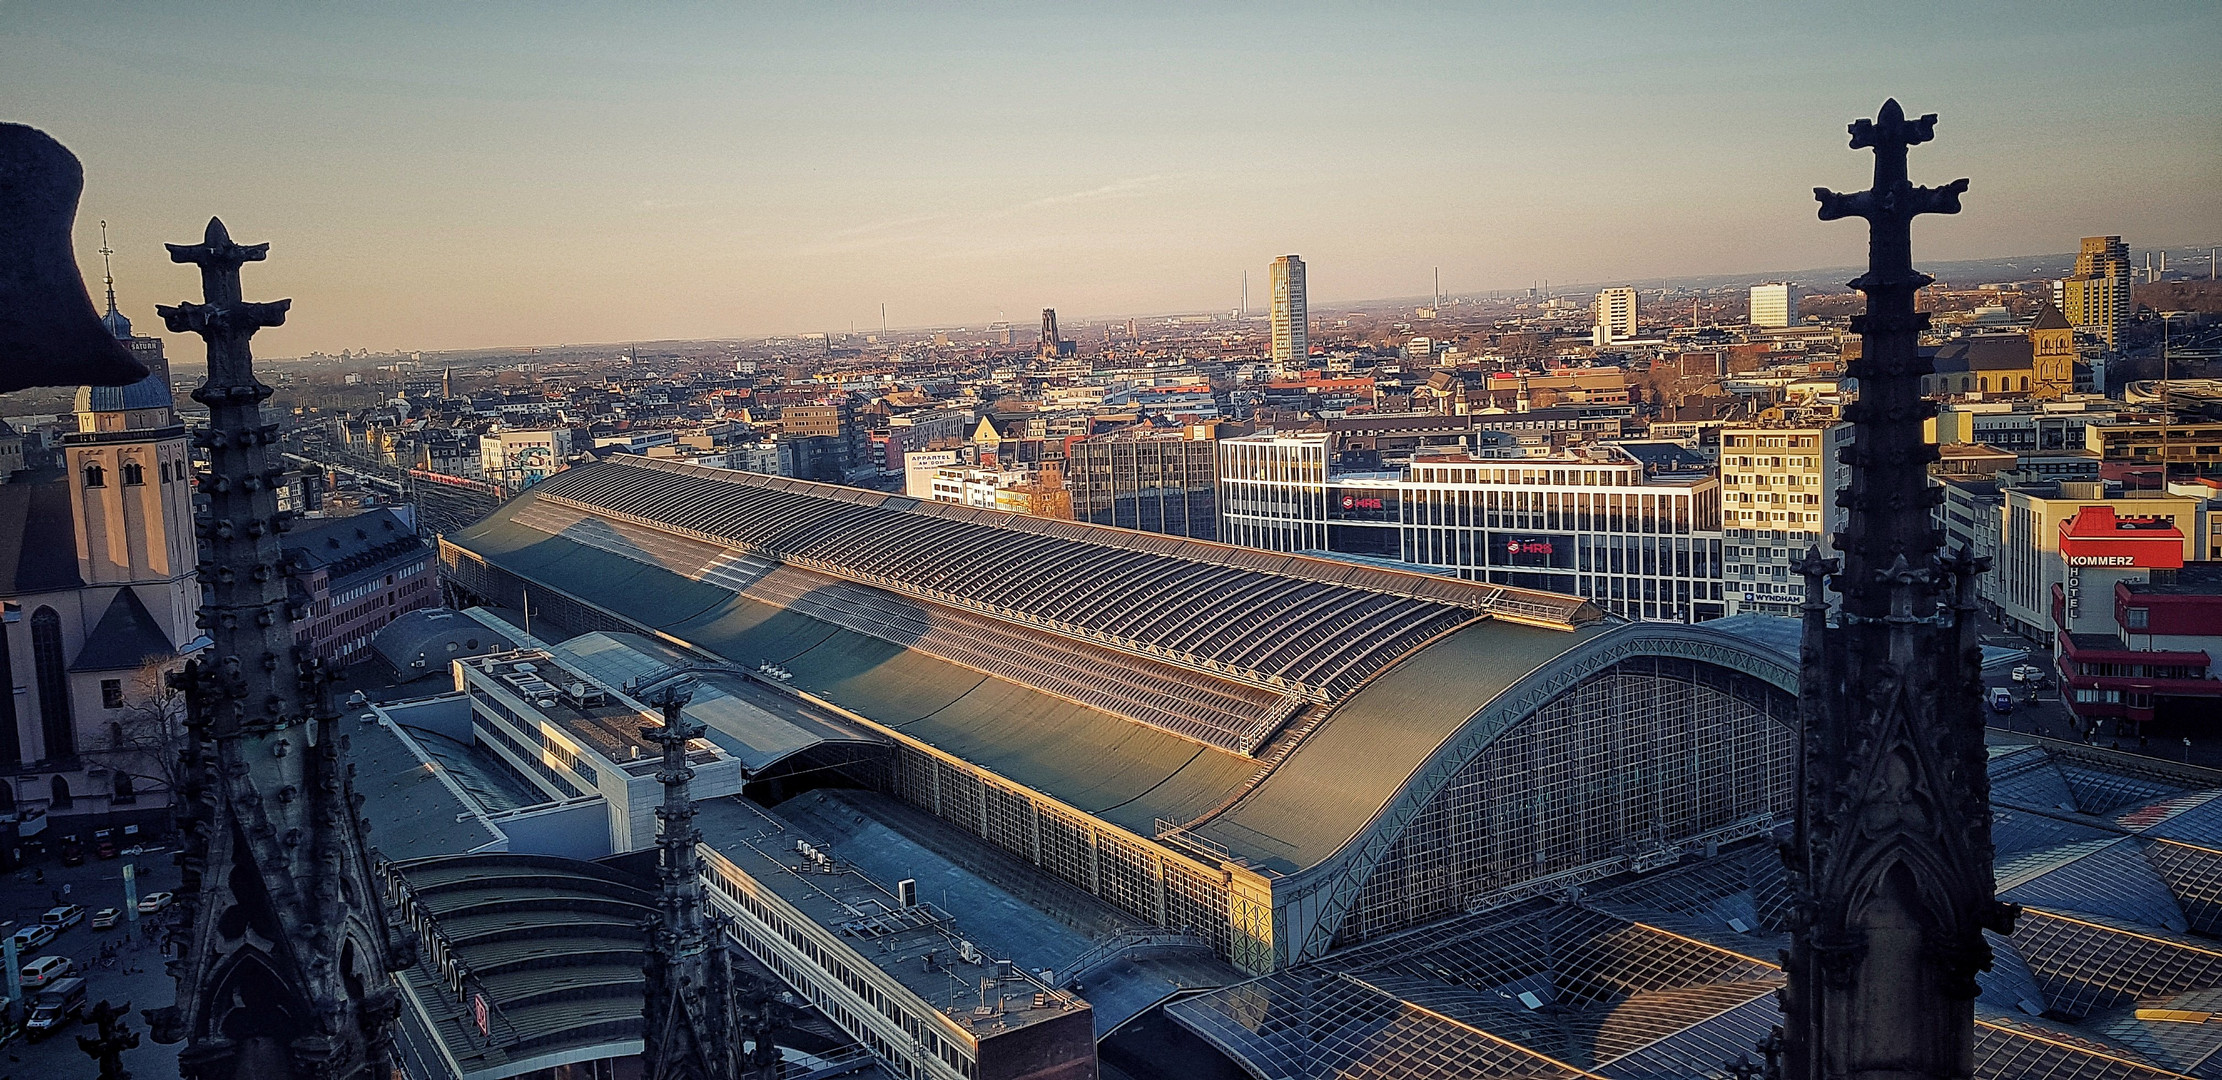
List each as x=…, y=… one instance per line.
x=117, y=325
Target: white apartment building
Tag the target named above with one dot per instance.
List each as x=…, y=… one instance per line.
x=1616, y=315
x=520, y=458
x=1596, y=525
x=1774, y=305
x=1778, y=498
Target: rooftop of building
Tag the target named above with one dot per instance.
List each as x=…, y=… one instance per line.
x=554, y=946
x=605, y=723
x=2194, y=579
x=1114, y=671
x=1671, y=973
x=38, y=536
x=350, y=545
x=922, y=946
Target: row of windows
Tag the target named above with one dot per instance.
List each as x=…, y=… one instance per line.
x=764, y=918
x=134, y=474
x=530, y=757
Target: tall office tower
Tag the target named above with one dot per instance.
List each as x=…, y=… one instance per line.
x=1616, y=315
x=2096, y=297
x=1773, y=304
x=1292, y=346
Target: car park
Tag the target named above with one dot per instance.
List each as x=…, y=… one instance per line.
x=153, y=902
x=63, y=917
x=46, y=969
x=32, y=938
x=106, y=918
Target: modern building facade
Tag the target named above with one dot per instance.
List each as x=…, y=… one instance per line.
x=1601, y=526
x=1161, y=481
x=1280, y=754
x=2139, y=631
x=2096, y=297
x=1774, y=305
x=1292, y=347
x=2028, y=566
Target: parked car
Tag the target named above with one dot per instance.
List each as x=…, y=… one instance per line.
x=2001, y=700
x=104, y=843
x=46, y=969
x=32, y=938
x=73, y=851
x=2028, y=673
x=62, y=1002
x=153, y=902
x=64, y=917
x=106, y=918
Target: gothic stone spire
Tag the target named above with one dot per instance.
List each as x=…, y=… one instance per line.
x=1891, y=856
x=684, y=1004
x=284, y=970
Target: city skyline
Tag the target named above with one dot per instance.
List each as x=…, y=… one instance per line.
x=477, y=178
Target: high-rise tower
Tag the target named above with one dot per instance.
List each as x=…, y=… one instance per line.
x=1292, y=347
x=1890, y=861
x=1616, y=315
x=285, y=970
x=2096, y=297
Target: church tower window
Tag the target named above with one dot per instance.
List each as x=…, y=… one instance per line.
x=134, y=474
x=95, y=476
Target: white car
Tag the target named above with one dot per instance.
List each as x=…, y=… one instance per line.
x=2028, y=673
x=153, y=902
x=46, y=969
x=32, y=938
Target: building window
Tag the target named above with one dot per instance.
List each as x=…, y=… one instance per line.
x=134, y=474
x=124, y=791
x=2137, y=618
x=111, y=693
x=61, y=797
x=52, y=669
x=95, y=476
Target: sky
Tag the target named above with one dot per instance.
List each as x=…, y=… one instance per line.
x=467, y=175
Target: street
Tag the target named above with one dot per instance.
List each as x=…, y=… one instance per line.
x=136, y=975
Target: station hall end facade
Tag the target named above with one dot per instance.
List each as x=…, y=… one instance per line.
x=1278, y=754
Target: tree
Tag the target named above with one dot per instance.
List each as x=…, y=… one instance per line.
x=146, y=735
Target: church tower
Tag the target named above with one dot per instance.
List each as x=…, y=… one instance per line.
x=130, y=483
x=2051, y=354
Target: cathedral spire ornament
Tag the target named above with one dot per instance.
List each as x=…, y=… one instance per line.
x=286, y=952
x=1891, y=857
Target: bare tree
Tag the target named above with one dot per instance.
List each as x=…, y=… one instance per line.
x=146, y=735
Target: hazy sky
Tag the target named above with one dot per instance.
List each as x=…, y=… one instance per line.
x=447, y=175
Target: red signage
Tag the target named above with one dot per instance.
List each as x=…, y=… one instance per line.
x=1354, y=502
x=478, y=1012
x=2096, y=537
x=1528, y=547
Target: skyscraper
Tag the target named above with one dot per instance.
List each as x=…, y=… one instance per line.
x=1773, y=304
x=1616, y=315
x=2096, y=297
x=1292, y=345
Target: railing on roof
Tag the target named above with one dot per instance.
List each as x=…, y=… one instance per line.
x=1113, y=948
